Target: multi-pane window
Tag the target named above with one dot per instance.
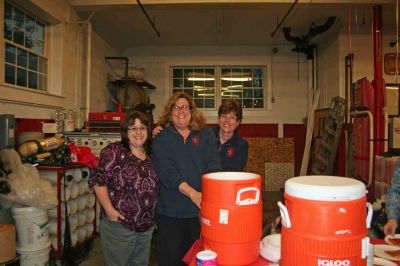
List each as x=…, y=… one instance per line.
x=210, y=85
x=198, y=82
x=25, y=61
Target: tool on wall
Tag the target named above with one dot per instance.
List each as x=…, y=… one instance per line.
x=326, y=154
x=303, y=43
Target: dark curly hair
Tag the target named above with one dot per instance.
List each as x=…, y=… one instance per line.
x=129, y=121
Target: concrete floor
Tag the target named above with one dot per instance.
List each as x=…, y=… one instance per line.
x=270, y=212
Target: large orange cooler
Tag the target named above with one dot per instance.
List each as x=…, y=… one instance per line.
x=324, y=222
x=231, y=216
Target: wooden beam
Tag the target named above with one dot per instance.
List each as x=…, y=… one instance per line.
x=109, y=3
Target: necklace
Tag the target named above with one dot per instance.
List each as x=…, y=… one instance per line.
x=139, y=152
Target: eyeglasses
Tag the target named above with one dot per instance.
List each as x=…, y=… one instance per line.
x=184, y=107
x=137, y=129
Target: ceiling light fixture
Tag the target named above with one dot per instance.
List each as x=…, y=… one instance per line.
x=199, y=79
x=237, y=79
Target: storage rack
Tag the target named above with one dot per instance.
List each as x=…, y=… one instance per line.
x=60, y=176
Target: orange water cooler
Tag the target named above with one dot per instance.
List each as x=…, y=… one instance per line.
x=231, y=216
x=324, y=222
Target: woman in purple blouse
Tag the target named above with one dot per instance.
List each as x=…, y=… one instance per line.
x=127, y=187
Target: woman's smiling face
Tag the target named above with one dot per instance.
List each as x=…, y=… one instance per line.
x=181, y=114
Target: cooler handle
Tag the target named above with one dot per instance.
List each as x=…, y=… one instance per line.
x=284, y=215
x=247, y=201
x=369, y=215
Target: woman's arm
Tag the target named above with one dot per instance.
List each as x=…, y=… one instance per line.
x=105, y=201
x=189, y=191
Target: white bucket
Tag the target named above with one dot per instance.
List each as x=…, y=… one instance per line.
x=32, y=227
x=31, y=257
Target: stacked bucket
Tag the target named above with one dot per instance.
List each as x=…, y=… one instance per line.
x=33, y=237
x=80, y=202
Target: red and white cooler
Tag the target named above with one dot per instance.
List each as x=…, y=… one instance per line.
x=324, y=222
x=231, y=216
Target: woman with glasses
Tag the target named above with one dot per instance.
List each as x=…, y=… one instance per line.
x=182, y=152
x=127, y=187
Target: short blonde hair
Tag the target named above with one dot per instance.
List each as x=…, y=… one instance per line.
x=197, y=121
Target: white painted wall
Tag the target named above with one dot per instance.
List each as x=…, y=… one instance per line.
x=286, y=76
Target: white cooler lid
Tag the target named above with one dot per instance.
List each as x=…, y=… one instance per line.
x=325, y=188
x=231, y=176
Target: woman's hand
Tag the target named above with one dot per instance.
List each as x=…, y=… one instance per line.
x=156, y=130
x=195, y=196
x=113, y=215
x=390, y=227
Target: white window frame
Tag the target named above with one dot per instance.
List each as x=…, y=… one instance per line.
x=42, y=55
x=218, y=88
x=52, y=98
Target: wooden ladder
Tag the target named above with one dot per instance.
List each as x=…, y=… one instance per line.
x=325, y=155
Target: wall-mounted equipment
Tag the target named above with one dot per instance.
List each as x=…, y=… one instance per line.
x=7, y=127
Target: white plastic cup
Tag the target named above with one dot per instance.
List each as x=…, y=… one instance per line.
x=67, y=194
x=91, y=200
x=81, y=233
x=90, y=215
x=82, y=202
x=77, y=174
x=82, y=187
x=74, y=190
x=73, y=222
x=81, y=218
x=72, y=206
x=89, y=230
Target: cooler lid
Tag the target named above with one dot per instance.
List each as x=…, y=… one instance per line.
x=325, y=188
x=231, y=176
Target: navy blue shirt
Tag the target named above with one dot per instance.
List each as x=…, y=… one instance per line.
x=176, y=161
x=233, y=153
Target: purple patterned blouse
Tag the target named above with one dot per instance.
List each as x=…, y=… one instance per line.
x=132, y=185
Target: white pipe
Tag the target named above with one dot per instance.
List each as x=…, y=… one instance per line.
x=371, y=142
x=386, y=132
x=88, y=68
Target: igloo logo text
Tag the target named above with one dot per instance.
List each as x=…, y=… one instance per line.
x=324, y=262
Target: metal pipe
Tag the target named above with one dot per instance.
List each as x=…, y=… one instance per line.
x=283, y=20
x=148, y=18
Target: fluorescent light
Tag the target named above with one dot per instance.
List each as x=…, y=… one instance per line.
x=237, y=79
x=206, y=94
x=232, y=87
x=199, y=79
x=392, y=88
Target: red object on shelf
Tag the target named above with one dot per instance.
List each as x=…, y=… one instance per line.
x=106, y=121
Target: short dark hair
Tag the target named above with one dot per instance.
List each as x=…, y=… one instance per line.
x=129, y=121
x=231, y=105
